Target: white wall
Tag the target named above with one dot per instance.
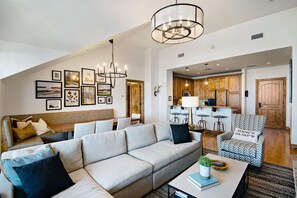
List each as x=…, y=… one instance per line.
x=20, y=92
x=16, y=57
x=279, y=31
x=262, y=73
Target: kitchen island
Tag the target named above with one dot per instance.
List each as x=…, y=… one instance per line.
x=207, y=110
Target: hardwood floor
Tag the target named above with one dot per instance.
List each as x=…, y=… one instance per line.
x=276, y=149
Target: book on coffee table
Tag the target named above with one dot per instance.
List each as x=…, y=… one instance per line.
x=201, y=182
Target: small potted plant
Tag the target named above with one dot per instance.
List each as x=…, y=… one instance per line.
x=205, y=164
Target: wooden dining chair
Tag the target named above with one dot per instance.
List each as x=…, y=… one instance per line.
x=104, y=126
x=123, y=123
x=82, y=129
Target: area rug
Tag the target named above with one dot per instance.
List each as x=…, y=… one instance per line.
x=273, y=181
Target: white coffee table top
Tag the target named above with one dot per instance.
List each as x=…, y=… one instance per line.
x=229, y=179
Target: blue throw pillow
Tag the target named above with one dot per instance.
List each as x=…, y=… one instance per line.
x=44, y=178
x=180, y=133
x=8, y=164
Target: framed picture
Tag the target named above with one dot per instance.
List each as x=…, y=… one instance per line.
x=71, y=98
x=101, y=100
x=88, y=76
x=53, y=104
x=103, y=89
x=48, y=89
x=109, y=100
x=71, y=79
x=100, y=79
x=88, y=95
x=56, y=75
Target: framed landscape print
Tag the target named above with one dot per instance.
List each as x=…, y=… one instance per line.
x=53, y=104
x=109, y=100
x=56, y=75
x=71, y=98
x=100, y=79
x=88, y=76
x=88, y=95
x=101, y=100
x=48, y=89
x=71, y=79
x=103, y=89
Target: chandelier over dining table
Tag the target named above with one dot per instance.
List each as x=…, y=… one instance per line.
x=113, y=71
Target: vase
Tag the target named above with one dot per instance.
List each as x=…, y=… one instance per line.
x=205, y=171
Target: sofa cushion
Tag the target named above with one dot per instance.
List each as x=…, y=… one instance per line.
x=84, y=186
x=162, y=130
x=163, y=153
x=32, y=141
x=25, y=132
x=44, y=178
x=239, y=147
x=140, y=136
x=8, y=164
x=104, y=145
x=180, y=133
x=116, y=173
x=70, y=154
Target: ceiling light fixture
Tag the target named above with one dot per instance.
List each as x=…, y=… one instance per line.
x=177, y=23
x=113, y=72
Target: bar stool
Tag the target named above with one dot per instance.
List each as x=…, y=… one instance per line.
x=201, y=122
x=219, y=123
x=185, y=113
x=175, y=119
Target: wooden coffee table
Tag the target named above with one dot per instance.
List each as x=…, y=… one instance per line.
x=233, y=180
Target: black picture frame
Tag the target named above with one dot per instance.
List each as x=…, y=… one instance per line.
x=88, y=95
x=71, y=79
x=101, y=100
x=109, y=100
x=48, y=89
x=103, y=89
x=56, y=75
x=100, y=79
x=71, y=97
x=53, y=104
x=87, y=76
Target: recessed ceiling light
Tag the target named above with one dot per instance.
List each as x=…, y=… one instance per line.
x=187, y=69
x=218, y=65
x=268, y=62
x=226, y=68
x=198, y=72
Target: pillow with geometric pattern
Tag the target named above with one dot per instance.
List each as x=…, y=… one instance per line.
x=246, y=135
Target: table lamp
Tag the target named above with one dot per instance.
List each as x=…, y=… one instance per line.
x=190, y=101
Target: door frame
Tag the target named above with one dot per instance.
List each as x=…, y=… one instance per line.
x=141, y=82
x=284, y=79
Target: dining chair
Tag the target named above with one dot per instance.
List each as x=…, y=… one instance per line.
x=123, y=123
x=104, y=125
x=82, y=129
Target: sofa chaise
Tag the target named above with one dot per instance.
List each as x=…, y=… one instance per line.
x=119, y=163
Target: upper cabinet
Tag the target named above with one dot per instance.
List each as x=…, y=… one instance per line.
x=179, y=84
x=234, y=83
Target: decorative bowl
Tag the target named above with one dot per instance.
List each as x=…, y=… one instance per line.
x=216, y=167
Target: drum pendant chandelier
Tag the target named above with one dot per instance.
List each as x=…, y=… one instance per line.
x=177, y=23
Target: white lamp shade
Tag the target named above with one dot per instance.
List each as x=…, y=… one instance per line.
x=190, y=101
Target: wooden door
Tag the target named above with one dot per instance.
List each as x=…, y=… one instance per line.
x=271, y=101
x=135, y=98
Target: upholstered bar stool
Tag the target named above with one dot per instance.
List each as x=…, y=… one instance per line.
x=184, y=112
x=175, y=114
x=201, y=123
x=219, y=123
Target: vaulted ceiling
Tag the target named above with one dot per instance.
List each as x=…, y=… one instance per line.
x=70, y=25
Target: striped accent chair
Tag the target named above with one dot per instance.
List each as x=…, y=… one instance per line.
x=243, y=150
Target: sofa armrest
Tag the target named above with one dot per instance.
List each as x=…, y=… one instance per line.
x=6, y=190
x=222, y=137
x=196, y=136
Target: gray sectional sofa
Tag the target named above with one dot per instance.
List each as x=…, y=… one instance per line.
x=123, y=163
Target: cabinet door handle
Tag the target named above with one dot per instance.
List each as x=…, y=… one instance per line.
x=260, y=104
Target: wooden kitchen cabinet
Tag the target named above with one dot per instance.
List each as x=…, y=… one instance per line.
x=234, y=83
x=222, y=83
x=212, y=84
x=179, y=84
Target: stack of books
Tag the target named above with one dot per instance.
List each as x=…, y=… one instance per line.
x=201, y=182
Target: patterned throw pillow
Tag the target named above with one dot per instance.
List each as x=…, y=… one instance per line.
x=24, y=133
x=246, y=135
